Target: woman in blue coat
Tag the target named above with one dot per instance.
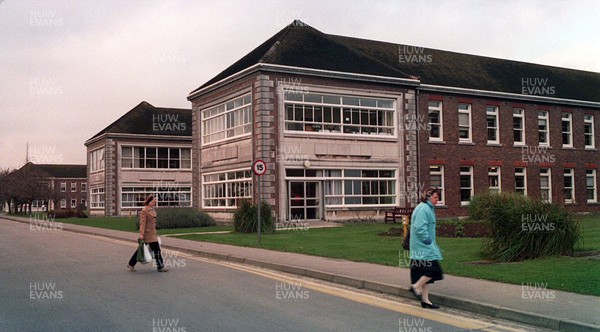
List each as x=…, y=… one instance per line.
x=425, y=254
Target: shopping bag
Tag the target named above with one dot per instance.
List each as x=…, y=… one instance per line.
x=140, y=251
x=406, y=240
x=147, y=254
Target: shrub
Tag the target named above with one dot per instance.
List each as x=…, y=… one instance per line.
x=61, y=213
x=524, y=228
x=245, y=218
x=167, y=218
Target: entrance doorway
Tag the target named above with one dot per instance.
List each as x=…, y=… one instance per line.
x=304, y=200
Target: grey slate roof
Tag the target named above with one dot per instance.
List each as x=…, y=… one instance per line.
x=300, y=45
x=145, y=119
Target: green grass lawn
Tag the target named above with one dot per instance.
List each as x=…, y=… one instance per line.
x=363, y=244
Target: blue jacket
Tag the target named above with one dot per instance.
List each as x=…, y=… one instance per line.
x=422, y=234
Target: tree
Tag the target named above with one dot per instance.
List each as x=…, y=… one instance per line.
x=25, y=185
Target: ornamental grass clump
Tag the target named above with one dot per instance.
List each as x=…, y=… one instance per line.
x=523, y=228
x=245, y=218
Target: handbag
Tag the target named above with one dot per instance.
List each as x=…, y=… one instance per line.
x=406, y=241
x=140, y=251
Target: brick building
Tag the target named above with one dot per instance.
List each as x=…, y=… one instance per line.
x=146, y=151
x=351, y=127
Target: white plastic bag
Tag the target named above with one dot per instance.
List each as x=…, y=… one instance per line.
x=147, y=254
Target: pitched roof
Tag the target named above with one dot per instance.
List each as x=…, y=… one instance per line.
x=145, y=119
x=59, y=171
x=299, y=45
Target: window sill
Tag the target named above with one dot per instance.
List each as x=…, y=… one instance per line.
x=568, y=148
x=520, y=145
x=436, y=142
x=590, y=149
x=466, y=143
x=494, y=144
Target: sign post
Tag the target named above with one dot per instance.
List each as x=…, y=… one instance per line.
x=260, y=168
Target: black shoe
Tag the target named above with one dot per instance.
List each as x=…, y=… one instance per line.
x=429, y=306
x=417, y=296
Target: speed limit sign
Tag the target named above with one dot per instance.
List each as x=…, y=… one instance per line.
x=259, y=167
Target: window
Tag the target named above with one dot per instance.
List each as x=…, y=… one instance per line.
x=494, y=179
x=492, y=125
x=546, y=184
x=543, y=136
x=436, y=180
x=83, y=187
x=97, y=160
x=337, y=114
x=227, y=120
x=171, y=194
x=567, y=137
x=569, y=186
x=519, y=126
x=83, y=203
x=63, y=187
x=63, y=203
x=155, y=157
x=226, y=189
x=354, y=187
x=97, y=198
x=521, y=180
x=464, y=122
x=590, y=184
x=588, y=131
x=73, y=187
x=73, y=203
x=466, y=184
x=435, y=121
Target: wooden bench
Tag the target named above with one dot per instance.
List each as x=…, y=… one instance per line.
x=398, y=213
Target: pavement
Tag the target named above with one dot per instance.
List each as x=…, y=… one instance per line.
x=530, y=303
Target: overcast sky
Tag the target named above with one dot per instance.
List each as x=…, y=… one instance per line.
x=70, y=68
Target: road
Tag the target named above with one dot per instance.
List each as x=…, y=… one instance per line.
x=55, y=280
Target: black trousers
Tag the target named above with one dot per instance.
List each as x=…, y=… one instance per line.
x=155, y=249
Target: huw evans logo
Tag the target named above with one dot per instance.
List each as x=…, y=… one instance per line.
x=413, y=325
x=44, y=18
x=290, y=291
x=537, y=86
x=412, y=54
x=536, y=291
x=171, y=259
x=45, y=223
x=536, y=223
x=167, y=325
x=536, y=154
x=167, y=123
x=44, y=291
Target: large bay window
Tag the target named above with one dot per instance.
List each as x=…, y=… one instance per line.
x=97, y=160
x=226, y=189
x=166, y=194
x=97, y=198
x=324, y=113
x=156, y=157
x=228, y=120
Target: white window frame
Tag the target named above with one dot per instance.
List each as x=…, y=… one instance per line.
x=220, y=188
x=63, y=187
x=73, y=203
x=130, y=155
x=435, y=108
x=73, y=187
x=495, y=171
x=567, y=117
x=569, y=173
x=63, y=203
x=588, y=123
x=438, y=172
x=521, y=171
x=467, y=111
x=227, y=120
x=351, y=115
x=97, y=198
x=97, y=160
x=83, y=187
x=171, y=194
x=543, y=116
x=548, y=174
x=492, y=111
x=466, y=171
x=519, y=113
x=591, y=174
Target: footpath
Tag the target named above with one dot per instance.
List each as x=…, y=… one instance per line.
x=529, y=304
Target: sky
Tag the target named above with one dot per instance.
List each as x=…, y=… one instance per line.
x=68, y=69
